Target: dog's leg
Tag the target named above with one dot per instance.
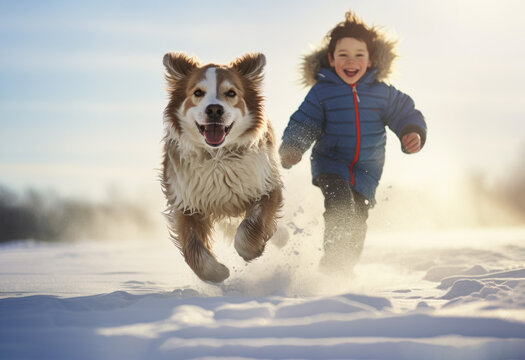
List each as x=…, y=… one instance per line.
x=191, y=236
x=258, y=226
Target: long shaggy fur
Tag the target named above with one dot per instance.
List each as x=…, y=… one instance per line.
x=207, y=177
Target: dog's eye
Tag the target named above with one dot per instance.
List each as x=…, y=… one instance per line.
x=231, y=93
x=198, y=93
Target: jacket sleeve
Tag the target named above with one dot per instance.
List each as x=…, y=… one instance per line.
x=305, y=124
x=402, y=117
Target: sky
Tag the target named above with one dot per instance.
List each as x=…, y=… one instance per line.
x=82, y=90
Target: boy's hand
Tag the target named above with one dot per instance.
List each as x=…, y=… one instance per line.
x=289, y=156
x=412, y=142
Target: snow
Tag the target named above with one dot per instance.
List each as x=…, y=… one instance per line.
x=441, y=295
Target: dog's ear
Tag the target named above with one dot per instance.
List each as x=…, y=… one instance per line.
x=178, y=65
x=250, y=66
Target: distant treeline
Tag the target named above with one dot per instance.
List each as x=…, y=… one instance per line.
x=506, y=191
x=511, y=189
x=48, y=217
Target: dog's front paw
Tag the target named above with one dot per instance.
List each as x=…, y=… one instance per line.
x=218, y=273
x=250, y=239
x=208, y=268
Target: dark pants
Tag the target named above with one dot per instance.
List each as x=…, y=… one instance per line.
x=346, y=212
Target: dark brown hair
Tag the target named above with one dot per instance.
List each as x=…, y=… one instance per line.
x=355, y=28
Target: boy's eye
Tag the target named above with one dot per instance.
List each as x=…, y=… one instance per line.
x=198, y=93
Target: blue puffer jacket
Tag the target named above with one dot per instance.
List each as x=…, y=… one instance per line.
x=347, y=126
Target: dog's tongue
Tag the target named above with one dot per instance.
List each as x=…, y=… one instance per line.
x=214, y=134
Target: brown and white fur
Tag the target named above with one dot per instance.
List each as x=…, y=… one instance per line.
x=220, y=159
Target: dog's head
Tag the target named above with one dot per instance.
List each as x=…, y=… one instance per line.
x=214, y=105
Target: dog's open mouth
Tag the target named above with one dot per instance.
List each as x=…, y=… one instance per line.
x=214, y=134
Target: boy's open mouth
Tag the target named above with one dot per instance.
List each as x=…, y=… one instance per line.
x=351, y=73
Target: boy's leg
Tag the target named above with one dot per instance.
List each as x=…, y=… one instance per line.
x=338, y=223
x=359, y=227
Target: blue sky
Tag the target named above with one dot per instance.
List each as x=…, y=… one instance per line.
x=82, y=88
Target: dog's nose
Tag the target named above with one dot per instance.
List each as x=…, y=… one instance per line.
x=214, y=111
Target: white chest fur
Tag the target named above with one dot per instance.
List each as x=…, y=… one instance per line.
x=221, y=183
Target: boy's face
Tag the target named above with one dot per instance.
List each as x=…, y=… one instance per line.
x=350, y=59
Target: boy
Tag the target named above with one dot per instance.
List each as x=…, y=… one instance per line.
x=345, y=114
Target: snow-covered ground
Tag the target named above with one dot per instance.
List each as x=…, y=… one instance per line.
x=438, y=295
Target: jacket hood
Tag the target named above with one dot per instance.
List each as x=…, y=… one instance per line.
x=382, y=59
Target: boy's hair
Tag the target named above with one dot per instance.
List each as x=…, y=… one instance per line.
x=380, y=47
x=355, y=28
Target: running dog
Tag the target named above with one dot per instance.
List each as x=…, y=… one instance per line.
x=220, y=159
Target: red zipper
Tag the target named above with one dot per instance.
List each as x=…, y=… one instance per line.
x=358, y=134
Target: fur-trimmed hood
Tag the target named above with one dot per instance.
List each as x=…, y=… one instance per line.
x=382, y=58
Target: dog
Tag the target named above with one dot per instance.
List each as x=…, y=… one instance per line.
x=220, y=159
